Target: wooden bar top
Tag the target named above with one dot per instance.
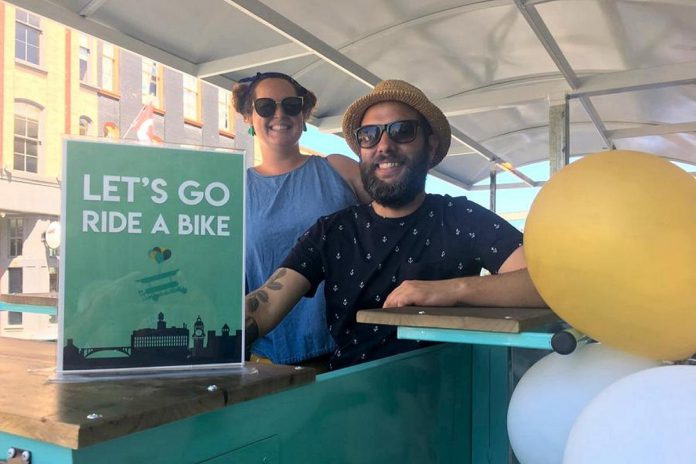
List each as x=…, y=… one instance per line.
x=510, y=320
x=33, y=407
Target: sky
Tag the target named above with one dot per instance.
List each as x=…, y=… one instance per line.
x=517, y=200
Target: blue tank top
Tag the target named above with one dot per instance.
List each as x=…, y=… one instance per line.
x=278, y=210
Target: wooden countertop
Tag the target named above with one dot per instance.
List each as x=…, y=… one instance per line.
x=510, y=320
x=33, y=407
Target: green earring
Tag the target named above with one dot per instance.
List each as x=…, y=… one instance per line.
x=251, y=131
x=304, y=127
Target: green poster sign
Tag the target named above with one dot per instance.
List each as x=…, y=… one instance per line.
x=152, y=258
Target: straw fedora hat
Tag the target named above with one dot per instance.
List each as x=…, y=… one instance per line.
x=399, y=91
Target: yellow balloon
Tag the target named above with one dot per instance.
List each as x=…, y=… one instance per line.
x=610, y=243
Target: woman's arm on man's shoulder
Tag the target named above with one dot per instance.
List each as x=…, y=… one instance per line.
x=349, y=169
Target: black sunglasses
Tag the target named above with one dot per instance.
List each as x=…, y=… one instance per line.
x=399, y=131
x=266, y=107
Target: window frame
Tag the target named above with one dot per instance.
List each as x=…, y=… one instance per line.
x=31, y=23
x=191, y=90
x=15, y=319
x=225, y=101
x=112, y=59
x=15, y=236
x=85, y=130
x=22, y=109
x=89, y=75
x=156, y=99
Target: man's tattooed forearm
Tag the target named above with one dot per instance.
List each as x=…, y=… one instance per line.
x=251, y=331
x=273, y=283
x=255, y=298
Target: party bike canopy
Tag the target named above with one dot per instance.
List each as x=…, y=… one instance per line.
x=505, y=72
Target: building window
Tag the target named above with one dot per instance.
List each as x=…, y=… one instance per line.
x=191, y=100
x=85, y=59
x=14, y=318
x=27, y=37
x=85, y=124
x=152, y=84
x=26, y=137
x=53, y=280
x=109, y=67
x=16, y=238
x=225, y=113
x=16, y=284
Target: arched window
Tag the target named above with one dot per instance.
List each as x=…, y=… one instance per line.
x=27, y=136
x=85, y=124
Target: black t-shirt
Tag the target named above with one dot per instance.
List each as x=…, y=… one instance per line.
x=363, y=257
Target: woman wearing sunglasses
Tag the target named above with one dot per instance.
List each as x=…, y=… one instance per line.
x=286, y=193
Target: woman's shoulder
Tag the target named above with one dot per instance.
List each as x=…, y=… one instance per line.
x=349, y=170
x=342, y=163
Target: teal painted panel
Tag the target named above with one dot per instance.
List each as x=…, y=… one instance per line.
x=521, y=340
x=262, y=452
x=490, y=398
x=501, y=389
x=22, y=308
x=410, y=408
x=41, y=452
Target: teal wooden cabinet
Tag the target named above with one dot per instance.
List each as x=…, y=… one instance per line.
x=262, y=452
x=411, y=408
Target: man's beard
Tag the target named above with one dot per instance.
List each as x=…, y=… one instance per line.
x=402, y=192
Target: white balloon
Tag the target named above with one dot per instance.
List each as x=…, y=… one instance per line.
x=647, y=417
x=551, y=394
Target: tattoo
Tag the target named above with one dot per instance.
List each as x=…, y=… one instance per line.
x=252, y=303
x=273, y=283
x=251, y=331
x=257, y=297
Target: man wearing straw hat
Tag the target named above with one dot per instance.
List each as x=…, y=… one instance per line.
x=406, y=247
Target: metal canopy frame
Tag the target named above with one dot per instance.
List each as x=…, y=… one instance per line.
x=629, y=81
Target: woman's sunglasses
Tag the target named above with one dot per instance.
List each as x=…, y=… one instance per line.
x=399, y=131
x=266, y=107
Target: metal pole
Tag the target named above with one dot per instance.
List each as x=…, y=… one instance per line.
x=559, y=129
x=493, y=185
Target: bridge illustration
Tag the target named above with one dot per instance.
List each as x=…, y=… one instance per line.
x=86, y=352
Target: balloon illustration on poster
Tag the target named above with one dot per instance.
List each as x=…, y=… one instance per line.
x=160, y=254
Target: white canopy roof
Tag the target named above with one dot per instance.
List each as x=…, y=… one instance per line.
x=628, y=66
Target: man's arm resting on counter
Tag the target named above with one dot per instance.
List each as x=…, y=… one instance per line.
x=269, y=304
x=511, y=288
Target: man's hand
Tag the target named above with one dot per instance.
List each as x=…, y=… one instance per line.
x=511, y=289
x=423, y=293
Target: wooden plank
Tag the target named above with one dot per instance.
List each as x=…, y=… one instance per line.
x=34, y=299
x=33, y=407
x=511, y=320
